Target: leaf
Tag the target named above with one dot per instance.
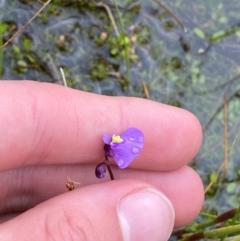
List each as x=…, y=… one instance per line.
x=199, y=33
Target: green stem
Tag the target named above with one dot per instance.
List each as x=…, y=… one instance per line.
x=236, y=216
x=126, y=50
x=220, y=35
x=201, y=226
x=220, y=232
x=236, y=238
x=207, y=215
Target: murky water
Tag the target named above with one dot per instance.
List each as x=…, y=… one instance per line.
x=193, y=69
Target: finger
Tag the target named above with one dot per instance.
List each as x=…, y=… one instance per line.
x=133, y=211
x=8, y=216
x=49, y=124
x=182, y=186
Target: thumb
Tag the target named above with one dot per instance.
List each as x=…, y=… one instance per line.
x=117, y=210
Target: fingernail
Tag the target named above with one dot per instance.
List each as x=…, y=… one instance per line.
x=146, y=215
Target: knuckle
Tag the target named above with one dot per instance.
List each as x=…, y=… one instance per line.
x=69, y=227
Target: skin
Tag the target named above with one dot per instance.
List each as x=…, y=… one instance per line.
x=50, y=131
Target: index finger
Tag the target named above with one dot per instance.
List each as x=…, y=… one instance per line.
x=50, y=124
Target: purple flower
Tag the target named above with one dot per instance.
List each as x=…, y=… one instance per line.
x=125, y=147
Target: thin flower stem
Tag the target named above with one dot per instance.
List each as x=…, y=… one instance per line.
x=107, y=163
x=110, y=172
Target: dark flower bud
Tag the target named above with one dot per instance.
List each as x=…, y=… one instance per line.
x=100, y=170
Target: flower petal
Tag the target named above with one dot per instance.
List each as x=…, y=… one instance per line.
x=125, y=152
x=107, y=139
x=134, y=137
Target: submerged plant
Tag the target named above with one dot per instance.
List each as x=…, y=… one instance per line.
x=122, y=148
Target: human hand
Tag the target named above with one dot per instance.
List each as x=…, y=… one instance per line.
x=49, y=131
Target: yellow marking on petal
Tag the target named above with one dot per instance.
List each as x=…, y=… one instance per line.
x=116, y=139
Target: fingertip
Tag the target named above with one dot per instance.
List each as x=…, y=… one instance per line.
x=195, y=128
x=173, y=136
x=193, y=207
x=187, y=195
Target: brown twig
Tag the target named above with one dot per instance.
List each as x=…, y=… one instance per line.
x=28, y=22
x=63, y=77
x=171, y=13
x=223, y=163
x=146, y=91
x=100, y=4
x=225, y=137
